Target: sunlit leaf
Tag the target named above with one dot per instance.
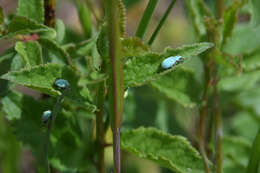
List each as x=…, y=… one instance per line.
x=140, y=70
x=33, y=9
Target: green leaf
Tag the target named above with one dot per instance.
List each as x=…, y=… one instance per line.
x=251, y=60
x=246, y=32
x=23, y=25
x=173, y=152
x=84, y=17
x=12, y=105
x=133, y=46
x=30, y=52
x=20, y=48
x=176, y=86
x=239, y=82
x=6, y=61
x=60, y=30
x=56, y=50
x=42, y=78
x=197, y=11
x=33, y=9
x=256, y=14
x=140, y=70
x=230, y=19
x=235, y=152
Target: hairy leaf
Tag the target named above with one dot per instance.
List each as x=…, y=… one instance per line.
x=173, y=152
x=133, y=46
x=176, y=85
x=42, y=78
x=55, y=49
x=23, y=25
x=140, y=70
x=30, y=52
x=32, y=9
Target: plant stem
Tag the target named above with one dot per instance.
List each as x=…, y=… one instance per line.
x=166, y=14
x=116, y=83
x=203, y=116
x=100, y=128
x=220, y=8
x=50, y=126
x=146, y=19
x=254, y=159
x=49, y=7
x=218, y=121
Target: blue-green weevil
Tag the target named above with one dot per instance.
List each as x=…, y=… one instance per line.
x=62, y=83
x=46, y=116
x=171, y=61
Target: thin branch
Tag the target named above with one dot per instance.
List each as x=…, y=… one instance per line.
x=49, y=8
x=162, y=21
x=142, y=27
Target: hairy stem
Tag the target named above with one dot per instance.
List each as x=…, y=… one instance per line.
x=49, y=8
x=116, y=86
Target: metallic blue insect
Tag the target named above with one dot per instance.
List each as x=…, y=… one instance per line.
x=46, y=116
x=171, y=61
x=62, y=83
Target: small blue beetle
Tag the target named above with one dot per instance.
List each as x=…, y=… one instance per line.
x=171, y=61
x=46, y=116
x=62, y=83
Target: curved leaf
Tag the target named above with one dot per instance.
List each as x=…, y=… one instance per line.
x=23, y=25
x=173, y=152
x=42, y=78
x=142, y=69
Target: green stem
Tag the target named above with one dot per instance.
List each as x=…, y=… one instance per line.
x=218, y=128
x=116, y=84
x=49, y=7
x=100, y=128
x=220, y=8
x=146, y=19
x=203, y=116
x=254, y=159
x=162, y=21
x=50, y=126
